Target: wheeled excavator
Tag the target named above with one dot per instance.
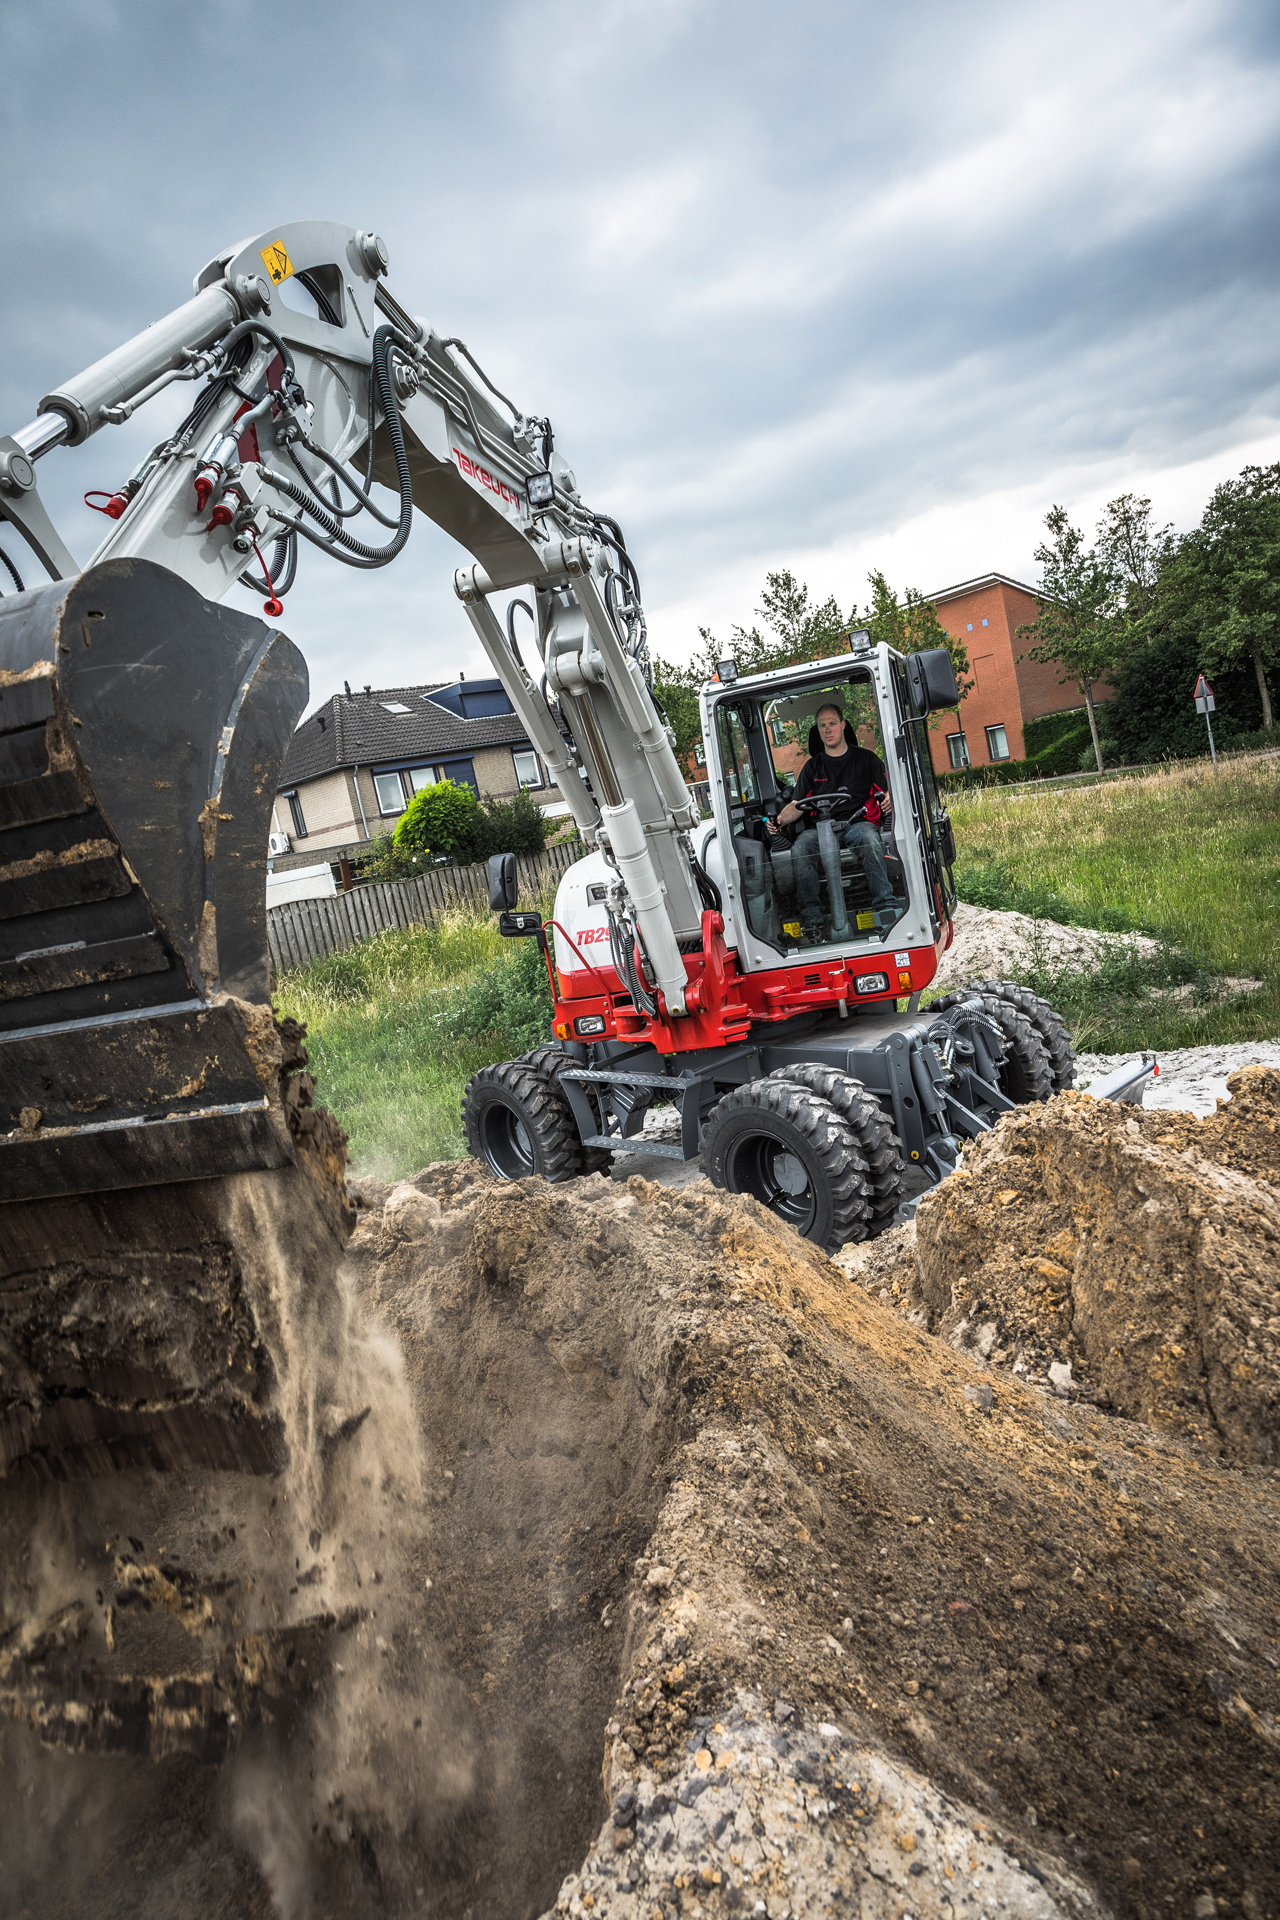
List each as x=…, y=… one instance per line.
x=143, y=724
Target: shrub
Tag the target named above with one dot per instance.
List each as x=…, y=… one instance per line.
x=440, y=819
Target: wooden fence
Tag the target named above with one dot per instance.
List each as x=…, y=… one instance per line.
x=303, y=930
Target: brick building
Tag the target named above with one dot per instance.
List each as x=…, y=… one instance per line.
x=354, y=765
x=985, y=614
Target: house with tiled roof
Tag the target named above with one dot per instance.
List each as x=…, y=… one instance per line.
x=354, y=765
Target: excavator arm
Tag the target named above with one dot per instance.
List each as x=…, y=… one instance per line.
x=142, y=725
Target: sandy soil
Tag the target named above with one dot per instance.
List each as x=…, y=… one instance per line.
x=987, y=945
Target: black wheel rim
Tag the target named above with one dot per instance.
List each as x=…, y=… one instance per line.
x=508, y=1149
x=776, y=1176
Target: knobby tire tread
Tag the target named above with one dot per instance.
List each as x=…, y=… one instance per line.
x=880, y=1146
x=1048, y=1023
x=548, y=1059
x=827, y=1133
x=541, y=1106
x=1025, y=1042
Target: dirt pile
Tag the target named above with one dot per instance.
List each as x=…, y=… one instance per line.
x=1139, y=1250
x=861, y=1627
x=646, y=1483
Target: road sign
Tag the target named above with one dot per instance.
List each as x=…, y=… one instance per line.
x=1206, y=704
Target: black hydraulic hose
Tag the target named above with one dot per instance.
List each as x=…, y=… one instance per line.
x=209, y=395
x=511, y=629
x=246, y=327
x=707, y=888
x=356, y=553
x=496, y=391
x=14, y=575
x=334, y=500
x=353, y=486
x=284, y=572
x=618, y=542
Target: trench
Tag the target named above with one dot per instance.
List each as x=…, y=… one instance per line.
x=376, y=1679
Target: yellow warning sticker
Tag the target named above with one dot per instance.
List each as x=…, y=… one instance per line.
x=866, y=920
x=276, y=260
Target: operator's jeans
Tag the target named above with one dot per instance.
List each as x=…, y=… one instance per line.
x=865, y=841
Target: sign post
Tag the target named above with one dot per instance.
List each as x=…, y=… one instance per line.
x=1206, y=704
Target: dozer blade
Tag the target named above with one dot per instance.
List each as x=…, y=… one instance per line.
x=155, y=1132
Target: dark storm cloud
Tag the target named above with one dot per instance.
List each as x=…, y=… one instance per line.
x=791, y=283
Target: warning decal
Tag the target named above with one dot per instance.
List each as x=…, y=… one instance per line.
x=277, y=262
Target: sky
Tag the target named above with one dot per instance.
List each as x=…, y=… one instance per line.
x=829, y=286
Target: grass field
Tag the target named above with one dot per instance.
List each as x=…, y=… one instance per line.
x=1191, y=858
x=397, y=1026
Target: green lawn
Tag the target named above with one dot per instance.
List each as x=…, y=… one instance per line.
x=397, y=1025
x=1188, y=857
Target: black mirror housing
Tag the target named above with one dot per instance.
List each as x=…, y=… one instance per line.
x=504, y=887
x=931, y=681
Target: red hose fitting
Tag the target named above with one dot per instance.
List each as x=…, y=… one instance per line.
x=116, y=503
x=205, y=483
x=225, y=511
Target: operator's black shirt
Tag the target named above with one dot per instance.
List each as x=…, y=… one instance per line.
x=855, y=772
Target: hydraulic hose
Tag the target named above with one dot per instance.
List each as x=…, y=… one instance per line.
x=245, y=327
x=356, y=553
x=512, y=606
x=14, y=575
x=352, y=486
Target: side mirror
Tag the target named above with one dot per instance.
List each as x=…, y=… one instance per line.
x=503, y=884
x=931, y=681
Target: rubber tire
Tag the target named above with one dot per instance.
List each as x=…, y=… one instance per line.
x=880, y=1145
x=530, y=1099
x=1046, y=1020
x=548, y=1060
x=1026, y=1076
x=811, y=1129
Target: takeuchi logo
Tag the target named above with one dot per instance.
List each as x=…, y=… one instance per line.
x=474, y=471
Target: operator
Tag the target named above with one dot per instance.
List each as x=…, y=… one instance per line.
x=841, y=767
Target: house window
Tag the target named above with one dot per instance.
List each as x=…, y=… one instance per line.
x=528, y=771
x=420, y=777
x=700, y=755
x=997, y=743
x=390, y=792
x=969, y=628
x=295, y=809
x=986, y=623
x=958, y=749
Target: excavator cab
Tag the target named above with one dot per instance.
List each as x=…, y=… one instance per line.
x=836, y=872
x=860, y=869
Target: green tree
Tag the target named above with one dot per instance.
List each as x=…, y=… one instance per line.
x=796, y=631
x=1137, y=555
x=676, y=690
x=517, y=825
x=912, y=626
x=1076, y=628
x=1234, y=557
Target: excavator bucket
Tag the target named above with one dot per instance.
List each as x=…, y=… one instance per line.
x=142, y=731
